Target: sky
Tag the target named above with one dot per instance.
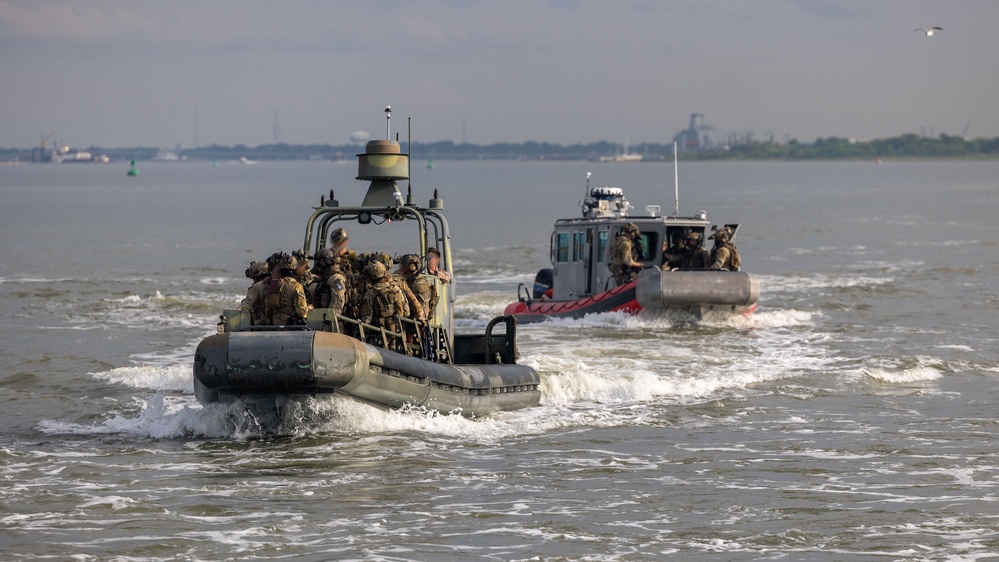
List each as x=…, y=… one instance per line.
x=184, y=73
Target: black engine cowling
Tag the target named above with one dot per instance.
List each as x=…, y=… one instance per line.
x=543, y=282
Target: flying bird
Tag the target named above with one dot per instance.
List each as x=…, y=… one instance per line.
x=929, y=31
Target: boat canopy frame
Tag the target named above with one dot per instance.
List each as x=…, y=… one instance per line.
x=328, y=216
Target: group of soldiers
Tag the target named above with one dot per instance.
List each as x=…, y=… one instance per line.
x=684, y=251
x=361, y=287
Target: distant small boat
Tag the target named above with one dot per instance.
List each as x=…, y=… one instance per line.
x=133, y=170
x=245, y=160
x=165, y=155
x=625, y=156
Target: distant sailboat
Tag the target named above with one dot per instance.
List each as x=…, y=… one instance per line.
x=133, y=170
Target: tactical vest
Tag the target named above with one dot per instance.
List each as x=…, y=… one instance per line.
x=386, y=300
x=272, y=300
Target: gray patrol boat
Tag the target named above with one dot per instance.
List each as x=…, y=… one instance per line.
x=580, y=282
x=425, y=364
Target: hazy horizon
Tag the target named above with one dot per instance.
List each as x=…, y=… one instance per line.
x=116, y=73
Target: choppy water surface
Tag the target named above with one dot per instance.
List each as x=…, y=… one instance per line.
x=853, y=417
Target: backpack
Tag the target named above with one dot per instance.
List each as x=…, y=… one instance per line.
x=385, y=300
x=736, y=260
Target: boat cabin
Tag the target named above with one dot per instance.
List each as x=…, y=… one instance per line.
x=580, y=247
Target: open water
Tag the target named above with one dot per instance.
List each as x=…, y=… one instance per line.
x=852, y=417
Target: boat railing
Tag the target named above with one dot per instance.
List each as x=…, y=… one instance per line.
x=524, y=294
x=489, y=348
x=414, y=338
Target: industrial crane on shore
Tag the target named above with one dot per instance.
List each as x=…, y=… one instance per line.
x=38, y=154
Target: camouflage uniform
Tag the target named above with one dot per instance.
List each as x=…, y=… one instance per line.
x=412, y=302
x=383, y=300
x=255, y=295
x=285, y=301
x=696, y=256
x=624, y=253
x=292, y=307
x=254, y=302
x=330, y=286
x=418, y=285
x=725, y=255
x=304, y=276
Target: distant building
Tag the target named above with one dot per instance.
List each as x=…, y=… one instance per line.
x=695, y=136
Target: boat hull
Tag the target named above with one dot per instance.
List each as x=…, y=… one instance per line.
x=696, y=292
x=617, y=299
x=275, y=366
x=699, y=291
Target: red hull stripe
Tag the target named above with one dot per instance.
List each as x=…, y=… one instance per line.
x=619, y=298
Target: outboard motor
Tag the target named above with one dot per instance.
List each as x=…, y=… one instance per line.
x=543, y=282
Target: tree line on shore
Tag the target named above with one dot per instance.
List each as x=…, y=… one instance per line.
x=830, y=148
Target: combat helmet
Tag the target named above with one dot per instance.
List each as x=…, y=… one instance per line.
x=288, y=261
x=722, y=234
x=385, y=258
x=258, y=270
x=375, y=270
x=630, y=228
x=408, y=260
x=323, y=260
x=339, y=235
x=275, y=258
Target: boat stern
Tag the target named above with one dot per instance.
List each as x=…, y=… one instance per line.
x=699, y=290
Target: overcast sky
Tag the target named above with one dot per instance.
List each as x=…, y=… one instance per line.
x=125, y=73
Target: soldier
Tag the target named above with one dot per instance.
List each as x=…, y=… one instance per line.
x=696, y=256
x=338, y=242
x=434, y=265
x=413, y=305
x=383, y=300
x=329, y=288
x=724, y=255
x=675, y=251
x=304, y=276
x=423, y=292
x=285, y=303
x=625, y=253
x=357, y=283
x=255, y=295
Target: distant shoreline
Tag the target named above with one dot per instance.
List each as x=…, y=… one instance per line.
x=908, y=146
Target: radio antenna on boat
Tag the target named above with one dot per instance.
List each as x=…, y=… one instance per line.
x=409, y=149
x=388, y=120
x=676, y=181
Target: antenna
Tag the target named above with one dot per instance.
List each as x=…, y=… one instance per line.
x=388, y=120
x=676, y=181
x=409, y=150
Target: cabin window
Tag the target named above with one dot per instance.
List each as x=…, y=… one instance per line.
x=579, y=247
x=562, y=248
x=647, y=245
x=601, y=245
